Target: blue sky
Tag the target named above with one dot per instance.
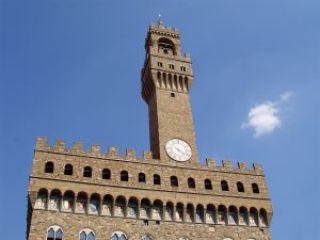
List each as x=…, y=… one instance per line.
x=70, y=70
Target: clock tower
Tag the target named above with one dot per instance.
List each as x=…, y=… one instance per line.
x=166, y=80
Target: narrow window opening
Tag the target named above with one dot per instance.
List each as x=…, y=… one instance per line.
x=255, y=188
x=87, y=172
x=68, y=169
x=142, y=178
x=124, y=176
x=240, y=187
x=106, y=173
x=207, y=184
x=172, y=94
x=156, y=179
x=224, y=186
x=174, y=181
x=191, y=183
x=49, y=167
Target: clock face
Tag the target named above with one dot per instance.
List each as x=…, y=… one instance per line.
x=178, y=150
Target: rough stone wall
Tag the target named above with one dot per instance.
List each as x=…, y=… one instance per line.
x=135, y=229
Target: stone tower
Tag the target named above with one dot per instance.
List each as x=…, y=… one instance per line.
x=165, y=194
x=166, y=81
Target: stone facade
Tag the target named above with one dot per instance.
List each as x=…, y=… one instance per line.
x=81, y=192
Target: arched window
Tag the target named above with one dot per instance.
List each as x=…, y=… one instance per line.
x=224, y=185
x=132, y=211
x=255, y=188
x=124, y=176
x=263, y=218
x=191, y=183
x=142, y=178
x=240, y=187
x=199, y=214
x=207, y=184
x=169, y=211
x=232, y=215
x=157, y=210
x=54, y=233
x=120, y=207
x=68, y=169
x=42, y=199
x=190, y=213
x=106, y=173
x=87, y=234
x=166, y=46
x=68, y=201
x=107, y=205
x=179, y=212
x=243, y=216
x=145, y=210
x=159, y=75
x=222, y=213
x=94, y=205
x=87, y=172
x=54, y=201
x=119, y=236
x=49, y=167
x=146, y=237
x=211, y=214
x=156, y=179
x=253, y=217
x=81, y=204
x=174, y=181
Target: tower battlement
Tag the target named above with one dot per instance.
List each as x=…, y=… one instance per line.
x=95, y=151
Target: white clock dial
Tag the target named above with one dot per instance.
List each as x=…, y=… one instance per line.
x=178, y=150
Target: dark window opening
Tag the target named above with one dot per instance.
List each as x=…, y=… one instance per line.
x=255, y=188
x=49, y=167
x=106, y=173
x=156, y=179
x=142, y=178
x=174, y=181
x=87, y=172
x=146, y=222
x=191, y=183
x=207, y=184
x=172, y=94
x=159, y=64
x=124, y=176
x=68, y=169
x=240, y=187
x=224, y=186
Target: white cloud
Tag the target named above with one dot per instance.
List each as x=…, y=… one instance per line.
x=264, y=118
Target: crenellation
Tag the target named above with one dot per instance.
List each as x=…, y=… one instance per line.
x=41, y=143
x=113, y=152
x=257, y=167
x=130, y=154
x=227, y=164
x=242, y=166
x=77, y=148
x=95, y=150
x=211, y=163
x=147, y=155
x=59, y=146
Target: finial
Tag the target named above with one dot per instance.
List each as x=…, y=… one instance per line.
x=160, y=23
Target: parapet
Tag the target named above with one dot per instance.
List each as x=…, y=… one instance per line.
x=227, y=166
x=130, y=154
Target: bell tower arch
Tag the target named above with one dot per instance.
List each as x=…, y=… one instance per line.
x=166, y=80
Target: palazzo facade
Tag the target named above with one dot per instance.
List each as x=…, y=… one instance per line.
x=165, y=194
